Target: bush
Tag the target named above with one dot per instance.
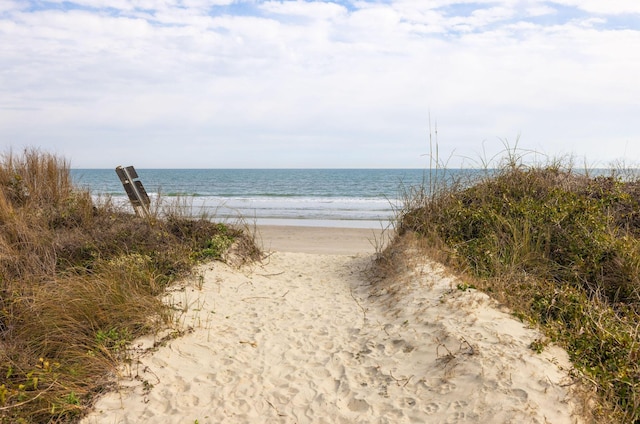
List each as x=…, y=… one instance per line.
x=562, y=249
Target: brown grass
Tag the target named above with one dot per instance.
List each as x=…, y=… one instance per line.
x=79, y=280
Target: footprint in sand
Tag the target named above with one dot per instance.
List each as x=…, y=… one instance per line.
x=226, y=377
x=446, y=388
x=383, y=391
x=456, y=418
x=328, y=346
x=520, y=394
x=358, y=405
x=460, y=404
x=181, y=384
x=411, y=402
x=242, y=406
x=431, y=408
x=402, y=345
x=158, y=362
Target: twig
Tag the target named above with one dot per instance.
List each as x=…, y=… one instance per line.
x=472, y=349
x=275, y=409
x=246, y=282
x=267, y=255
x=148, y=370
x=449, y=355
x=271, y=275
x=256, y=297
x=398, y=380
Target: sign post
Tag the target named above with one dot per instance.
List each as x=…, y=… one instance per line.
x=136, y=192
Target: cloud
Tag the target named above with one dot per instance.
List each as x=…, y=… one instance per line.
x=315, y=83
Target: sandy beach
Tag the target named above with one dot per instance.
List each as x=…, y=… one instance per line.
x=311, y=335
x=335, y=241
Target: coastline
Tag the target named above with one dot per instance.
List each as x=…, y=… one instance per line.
x=308, y=197
x=325, y=223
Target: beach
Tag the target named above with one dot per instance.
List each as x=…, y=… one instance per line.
x=321, y=240
x=312, y=334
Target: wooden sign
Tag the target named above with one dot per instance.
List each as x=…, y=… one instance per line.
x=136, y=192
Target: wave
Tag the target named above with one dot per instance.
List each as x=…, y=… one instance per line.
x=298, y=208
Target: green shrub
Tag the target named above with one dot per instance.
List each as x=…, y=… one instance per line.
x=540, y=221
x=562, y=249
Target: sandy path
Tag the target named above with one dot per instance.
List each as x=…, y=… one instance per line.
x=306, y=338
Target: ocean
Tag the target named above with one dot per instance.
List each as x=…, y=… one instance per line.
x=354, y=198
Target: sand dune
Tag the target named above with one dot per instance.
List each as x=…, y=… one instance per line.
x=311, y=338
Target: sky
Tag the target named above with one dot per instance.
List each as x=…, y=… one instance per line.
x=320, y=84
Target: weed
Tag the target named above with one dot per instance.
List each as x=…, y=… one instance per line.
x=538, y=345
x=146, y=387
x=216, y=246
x=113, y=339
x=464, y=286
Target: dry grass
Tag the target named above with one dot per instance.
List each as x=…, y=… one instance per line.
x=78, y=281
x=562, y=249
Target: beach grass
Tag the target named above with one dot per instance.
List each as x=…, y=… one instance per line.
x=80, y=278
x=561, y=248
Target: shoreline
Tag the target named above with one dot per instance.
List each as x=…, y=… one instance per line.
x=324, y=223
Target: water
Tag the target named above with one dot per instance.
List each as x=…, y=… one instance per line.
x=358, y=198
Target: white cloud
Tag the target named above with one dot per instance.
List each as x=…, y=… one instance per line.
x=537, y=10
x=319, y=80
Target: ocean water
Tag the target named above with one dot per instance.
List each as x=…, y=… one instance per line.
x=356, y=198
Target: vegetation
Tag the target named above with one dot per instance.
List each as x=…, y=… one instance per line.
x=80, y=279
x=562, y=249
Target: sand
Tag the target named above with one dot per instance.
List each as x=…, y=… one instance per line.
x=315, y=338
x=336, y=241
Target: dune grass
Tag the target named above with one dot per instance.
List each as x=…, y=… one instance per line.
x=80, y=279
x=562, y=249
